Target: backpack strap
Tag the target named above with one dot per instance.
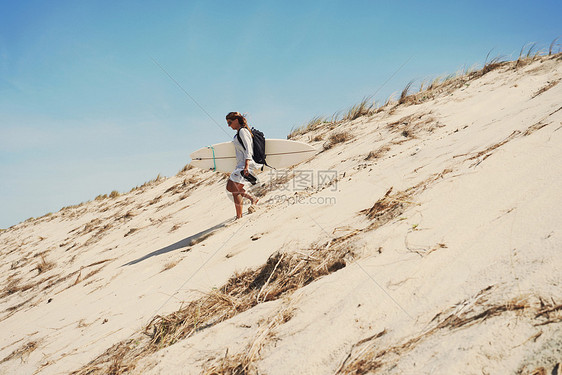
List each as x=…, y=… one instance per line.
x=240, y=139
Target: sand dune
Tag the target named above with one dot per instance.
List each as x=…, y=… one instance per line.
x=425, y=240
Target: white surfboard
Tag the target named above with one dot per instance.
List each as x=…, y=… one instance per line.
x=280, y=153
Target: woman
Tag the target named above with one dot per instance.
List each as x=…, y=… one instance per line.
x=244, y=162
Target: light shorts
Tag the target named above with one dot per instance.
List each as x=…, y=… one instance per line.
x=236, y=176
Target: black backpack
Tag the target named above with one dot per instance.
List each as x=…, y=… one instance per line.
x=259, y=146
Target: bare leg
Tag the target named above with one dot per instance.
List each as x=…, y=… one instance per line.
x=238, y=194
x=253, y=200
x=238, y=204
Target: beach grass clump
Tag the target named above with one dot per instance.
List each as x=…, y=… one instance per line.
x=378, y=153
x=490, y=64
x=149, y=183
x=112, y=195
x=427, y=90
x=527, y=54
x=371, y=354
x=23, y=352
x=337, y=138
x=404, y=95
x=185, y=168
x=310, y=126
x=15, y=286
x=546, y=88
x=282, y=274
x=44, y=265
x=363, y=108
x=446, y=85
x=553, y=46
x=279, y=277
x=244, y=362
x=388, y=207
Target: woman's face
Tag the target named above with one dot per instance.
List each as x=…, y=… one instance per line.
x=233, y=124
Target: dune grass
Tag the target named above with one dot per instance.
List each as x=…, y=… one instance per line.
x=404, y=94
x=373, y=354
x=279, y=277
x=337, y=138
x=244, y=362
x=361, y=109
x=22, y=352
x=552, y=46
x=427, y=89
x=44, y=265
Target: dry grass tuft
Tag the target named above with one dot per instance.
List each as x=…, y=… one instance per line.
x=22, y=353
x=113, y=194
x=101, y=231
x=493, y=64
x=378, y=153
x=337, y=138
x=463, y=315
x=445, y=86
x=239, y=364
x=428, y=91
x=92, y=273
x=282, y=274
x=411, y=125
x=364, y=108
x=131, y=231
x=186, y=186
x=404, y=94
x=552, y=45
x=480, y=156
x=243, y=363
x=546, y=88
x=521, y=60
x=14, y=286
x=44, y=265
x=484, y=154
x=390, y=206
x=312, y=125
x=186, y=168
x=89, y=227
x=147, y=184
x=318, y=138
x=387, y=208
x=170, y=265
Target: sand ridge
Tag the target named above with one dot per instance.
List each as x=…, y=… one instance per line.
x=424, y=241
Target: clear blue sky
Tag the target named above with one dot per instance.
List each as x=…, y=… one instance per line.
x=85, y=110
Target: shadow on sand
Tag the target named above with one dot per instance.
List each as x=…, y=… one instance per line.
x=189, y=241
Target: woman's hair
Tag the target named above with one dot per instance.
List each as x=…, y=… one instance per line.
x=241, y=119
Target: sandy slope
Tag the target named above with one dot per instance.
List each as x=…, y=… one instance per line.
x=456, y=270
